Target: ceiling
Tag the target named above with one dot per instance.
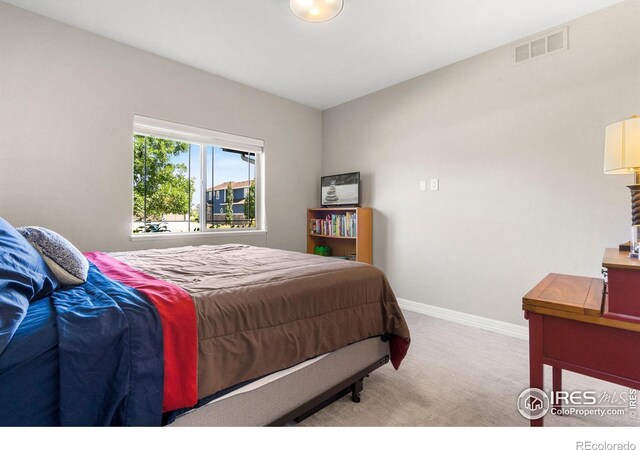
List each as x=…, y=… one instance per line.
x=372, y=44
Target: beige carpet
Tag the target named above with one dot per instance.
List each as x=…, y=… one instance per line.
x=455, y=375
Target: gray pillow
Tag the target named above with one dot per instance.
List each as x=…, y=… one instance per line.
x=66, y=262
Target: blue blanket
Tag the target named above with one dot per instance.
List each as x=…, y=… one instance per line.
x=29, y=370
x=109, y=356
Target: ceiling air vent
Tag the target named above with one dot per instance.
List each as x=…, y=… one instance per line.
x=554, y=41
x=522, y=53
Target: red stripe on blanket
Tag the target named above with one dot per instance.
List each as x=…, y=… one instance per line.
x=178, y=316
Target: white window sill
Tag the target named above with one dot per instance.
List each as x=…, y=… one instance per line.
x=193, y=235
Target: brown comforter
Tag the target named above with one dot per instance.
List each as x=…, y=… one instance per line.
x=262, y=310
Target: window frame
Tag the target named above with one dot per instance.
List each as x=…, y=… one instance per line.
x=151, y=127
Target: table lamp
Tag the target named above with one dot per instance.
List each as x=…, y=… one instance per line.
x=622, y=157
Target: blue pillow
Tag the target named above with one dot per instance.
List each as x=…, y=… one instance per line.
x=24, y=276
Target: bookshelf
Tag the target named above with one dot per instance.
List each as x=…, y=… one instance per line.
x=360, y=243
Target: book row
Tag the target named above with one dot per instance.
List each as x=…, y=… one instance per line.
x=339, y=225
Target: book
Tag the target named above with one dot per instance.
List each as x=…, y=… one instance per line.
x=339, y=225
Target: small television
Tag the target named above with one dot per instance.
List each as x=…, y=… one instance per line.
x=340, y=190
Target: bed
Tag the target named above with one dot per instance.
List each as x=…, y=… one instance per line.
x=207, y=335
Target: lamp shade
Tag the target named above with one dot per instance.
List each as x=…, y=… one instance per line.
x=622, y=147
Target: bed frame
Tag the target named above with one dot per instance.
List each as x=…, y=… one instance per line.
x=297, y=395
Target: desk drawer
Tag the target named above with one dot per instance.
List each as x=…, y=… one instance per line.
x=594, y=347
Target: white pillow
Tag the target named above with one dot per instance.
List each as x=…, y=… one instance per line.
x=66, y=262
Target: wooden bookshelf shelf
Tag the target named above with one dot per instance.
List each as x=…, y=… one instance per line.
x=360, y=245
x=338, y=208
x=331, y=237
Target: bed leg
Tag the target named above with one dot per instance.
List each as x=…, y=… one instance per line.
x=356, y=388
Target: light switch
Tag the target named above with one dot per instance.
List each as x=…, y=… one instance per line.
x=435, y=184
x=423, y=185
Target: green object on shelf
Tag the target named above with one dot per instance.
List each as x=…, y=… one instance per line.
x=322, y=250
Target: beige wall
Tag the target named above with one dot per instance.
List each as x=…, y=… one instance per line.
x=67, y=100
x=518, y=151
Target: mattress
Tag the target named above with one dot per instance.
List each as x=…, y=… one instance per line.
x=29, y=370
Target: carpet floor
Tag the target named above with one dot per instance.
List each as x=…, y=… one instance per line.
x=455, y=375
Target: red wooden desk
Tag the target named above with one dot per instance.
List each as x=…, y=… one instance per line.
x=568, y=330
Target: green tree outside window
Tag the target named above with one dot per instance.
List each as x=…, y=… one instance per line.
x=165, y=184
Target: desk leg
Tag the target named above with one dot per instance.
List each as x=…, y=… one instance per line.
x=557, y=383
x=536, y=367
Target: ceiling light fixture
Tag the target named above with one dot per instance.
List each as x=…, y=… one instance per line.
x=316, y=10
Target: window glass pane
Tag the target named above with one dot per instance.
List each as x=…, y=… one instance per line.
x=233, y=188
x=213, y=197
x=195, y=188
x=250, y=200
x=139, y=175
x=171, y=202
x=162, y=185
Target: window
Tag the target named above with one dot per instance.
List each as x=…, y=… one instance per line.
x=177, y=169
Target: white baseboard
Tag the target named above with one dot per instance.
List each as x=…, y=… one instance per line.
x=496, y=326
